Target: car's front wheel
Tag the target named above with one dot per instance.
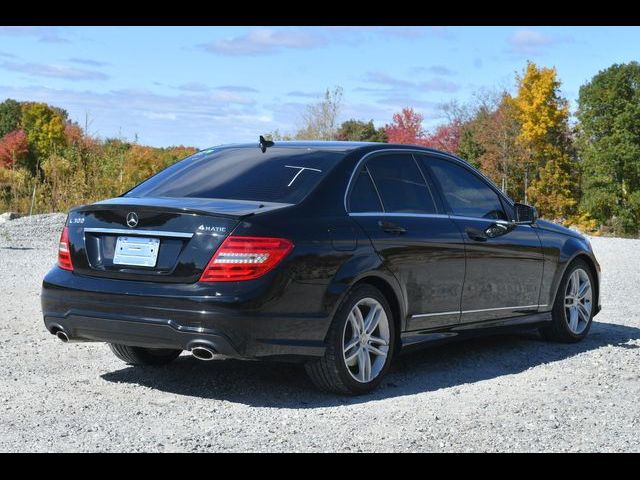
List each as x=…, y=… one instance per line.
x=573, y=308
x=144, y=356
x=360, y=344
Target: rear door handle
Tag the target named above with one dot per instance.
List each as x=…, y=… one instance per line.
x=391, y=227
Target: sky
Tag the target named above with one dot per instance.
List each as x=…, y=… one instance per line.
x=205, y=86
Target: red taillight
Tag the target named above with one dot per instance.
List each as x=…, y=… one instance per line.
x=64, y=256
x=245, y=258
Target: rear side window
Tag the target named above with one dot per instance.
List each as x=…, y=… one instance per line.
x=466, y=194
x=400, y=183
x=283, y=175
x=364, y=197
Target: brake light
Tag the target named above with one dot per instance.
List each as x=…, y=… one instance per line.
x=64, y=253
x=245, y=258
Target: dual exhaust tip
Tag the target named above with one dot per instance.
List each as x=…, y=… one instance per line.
x=201, y=352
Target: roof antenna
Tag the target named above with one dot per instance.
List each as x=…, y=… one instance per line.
x=264, y=144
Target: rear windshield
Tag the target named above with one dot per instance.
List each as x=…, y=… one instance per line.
x=283, y=175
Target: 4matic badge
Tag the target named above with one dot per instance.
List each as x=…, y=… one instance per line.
x=212, y=228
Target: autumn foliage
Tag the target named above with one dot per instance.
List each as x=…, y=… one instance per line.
x=13, y=148
x=49, y=160
x=406, y=128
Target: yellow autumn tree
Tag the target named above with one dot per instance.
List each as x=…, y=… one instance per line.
x=550, y=170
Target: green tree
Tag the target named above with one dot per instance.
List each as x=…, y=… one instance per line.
x=10, y=116
x=470, y=149
x=44, y=127
x=609, y=146
x=360, y=131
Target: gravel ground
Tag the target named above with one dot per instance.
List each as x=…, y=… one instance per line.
x=508, y=393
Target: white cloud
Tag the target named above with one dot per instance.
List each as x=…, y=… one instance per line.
x=532, y=42
x=160, y=116
x=54, y=71
x=265, y=41
x=88, y=61
x=435, y=70
x=43, y=34
x=399, y=84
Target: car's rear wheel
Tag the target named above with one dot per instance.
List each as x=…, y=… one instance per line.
x=573, y=308
x=360, y=344
x=144, y=356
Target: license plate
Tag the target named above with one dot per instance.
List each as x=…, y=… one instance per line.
x=137, y=251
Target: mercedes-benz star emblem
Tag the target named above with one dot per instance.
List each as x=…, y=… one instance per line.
x=132, y=219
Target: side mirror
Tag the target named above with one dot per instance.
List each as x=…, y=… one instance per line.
x=525, y=213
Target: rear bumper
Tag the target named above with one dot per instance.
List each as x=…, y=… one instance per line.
x=92, y=309
x=152, y=333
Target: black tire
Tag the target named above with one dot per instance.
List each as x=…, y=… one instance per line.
x=330, y=373
x=144, y=356
x=558, y=329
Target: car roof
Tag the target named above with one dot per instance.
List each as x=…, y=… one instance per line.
x=340, y=146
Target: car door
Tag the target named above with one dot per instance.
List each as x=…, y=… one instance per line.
x=393, y=202
x=504, y=259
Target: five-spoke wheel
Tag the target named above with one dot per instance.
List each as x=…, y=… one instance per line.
x=366, y=340
x=577, y=301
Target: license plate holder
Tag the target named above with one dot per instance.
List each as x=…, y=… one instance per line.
x=136, y=251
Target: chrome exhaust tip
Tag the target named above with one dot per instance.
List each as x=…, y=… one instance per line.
x=62, y=336
x=203, y=353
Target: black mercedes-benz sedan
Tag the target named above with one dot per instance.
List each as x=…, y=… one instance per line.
x=335, y=254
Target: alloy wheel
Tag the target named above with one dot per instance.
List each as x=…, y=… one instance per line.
x=365, y=340
x=578, y=301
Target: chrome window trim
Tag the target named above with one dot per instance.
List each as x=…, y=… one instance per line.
x=421, y=315
x=398, y=214
x=493, y=220
x=445, y=156
x=433, y=215
x=150, y=233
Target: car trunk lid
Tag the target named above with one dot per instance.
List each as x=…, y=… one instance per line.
x=153, y=239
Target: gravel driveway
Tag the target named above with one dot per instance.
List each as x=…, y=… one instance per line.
x=508, y=393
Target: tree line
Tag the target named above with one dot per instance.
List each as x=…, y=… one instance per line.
x=49, y=163
x=580, y=168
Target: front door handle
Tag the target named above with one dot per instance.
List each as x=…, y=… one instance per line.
x=391, y=227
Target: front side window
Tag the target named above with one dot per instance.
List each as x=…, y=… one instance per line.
x=284, y=175
x=467, y=194
x=400, y=183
